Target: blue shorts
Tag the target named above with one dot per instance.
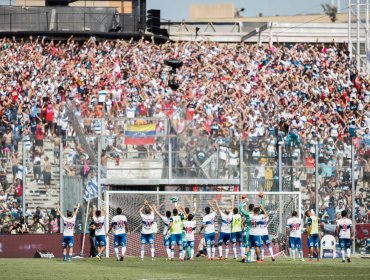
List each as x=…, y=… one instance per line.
x=314, y=241
x=295, y=243
x=210, y=238
x=176, y=239
x=167, y=241
x=147, y=238
x=100, y=241
x=224, y=238
x=120, y=240
x=68, y=241
x=265, y=239
x=189, y=244
x=255, y=241
x=237, y=236
x=345, y=243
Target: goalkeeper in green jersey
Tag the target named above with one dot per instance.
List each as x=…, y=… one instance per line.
x=246, y=214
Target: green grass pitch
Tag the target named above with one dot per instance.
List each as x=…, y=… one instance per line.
x=200, y=269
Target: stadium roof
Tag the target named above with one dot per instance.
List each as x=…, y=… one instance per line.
x=317, y=18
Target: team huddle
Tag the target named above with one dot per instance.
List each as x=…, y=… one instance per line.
x=244, y=227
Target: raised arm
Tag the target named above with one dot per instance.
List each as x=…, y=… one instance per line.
x=217, y=207
x=76, y=211
x=59, y=212
x=264, y=211
x=156, y=211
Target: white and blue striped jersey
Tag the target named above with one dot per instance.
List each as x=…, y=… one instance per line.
x=226, y=222
x=99, y=223
x=256, y=222
x=69, y=225
x=119, y=224
x=209, y=222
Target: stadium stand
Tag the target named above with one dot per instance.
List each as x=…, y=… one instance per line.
x=260, y=96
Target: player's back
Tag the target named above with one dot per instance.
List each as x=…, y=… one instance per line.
x=119, y=224
x=313, y=222
x=264, y=225
x=166, y=222
x=344, y=225
x=209, y=222
x=147, y=223
x=189, y=227
x=294, y=224
x=99, y=223
x=236, y=224
x=69, y=225
x=226, y=220
x=256, y=221
x=176, y=227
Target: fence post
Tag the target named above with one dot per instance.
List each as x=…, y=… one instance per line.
x=280, y=168
x=24, y=178
x=316, y=177
x=353, y=183
x=61, y=191
x=99, y=172
x=241, y=160
x=169, y=158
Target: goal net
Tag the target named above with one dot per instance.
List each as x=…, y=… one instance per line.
x=279, y=207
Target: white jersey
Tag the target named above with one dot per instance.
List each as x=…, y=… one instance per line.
x=209, y=222
x=226, y=222
x=99, y=223
x=166, y=222
x=264, y=226
x=119, y=224
x=294, y=224
x=344, y=225
x=189, y=227
x=256, y=222
x=147, y=223
x=69, y=225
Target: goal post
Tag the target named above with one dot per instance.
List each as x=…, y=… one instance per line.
x=279, y=206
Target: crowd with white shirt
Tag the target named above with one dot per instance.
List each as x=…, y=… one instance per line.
x=298, y=95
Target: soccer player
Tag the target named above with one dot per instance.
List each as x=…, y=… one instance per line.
x=189, y=227
x=166, y=234
x=147, y=234
x=265, y=234
x=208, y=224
x=237, y=233
x=313, y=234
x=119, y=226
x=175, y=228
x=225, y=229
x=101, y=241
x=255, y=232
x=295, y=236
x=246, y=214
x=68, y=233
x=344, y=231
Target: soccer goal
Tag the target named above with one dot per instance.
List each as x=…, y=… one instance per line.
x=279, y=205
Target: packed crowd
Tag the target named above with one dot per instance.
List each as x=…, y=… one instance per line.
x=299, y=95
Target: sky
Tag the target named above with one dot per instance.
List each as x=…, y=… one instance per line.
x=177, y=10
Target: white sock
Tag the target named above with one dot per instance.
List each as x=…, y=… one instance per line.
x=242, y=251
x=301, y=254
x=343, y=255
x=123, y=251
x=213, y=250
x=172, y=254
x=234, y=250
x=142, y=252
x=227, y=252
x=220, y=251
x=116, y=251
x=192, y=253
x=253, y=253
x=348, y=252
x=152, y=251
x=271, y=251
x=168, y=250
x=262, y=252
x=293, y=254
x=209, y=252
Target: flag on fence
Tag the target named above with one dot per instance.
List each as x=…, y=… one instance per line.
x=140, y=134
x=91, y=189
